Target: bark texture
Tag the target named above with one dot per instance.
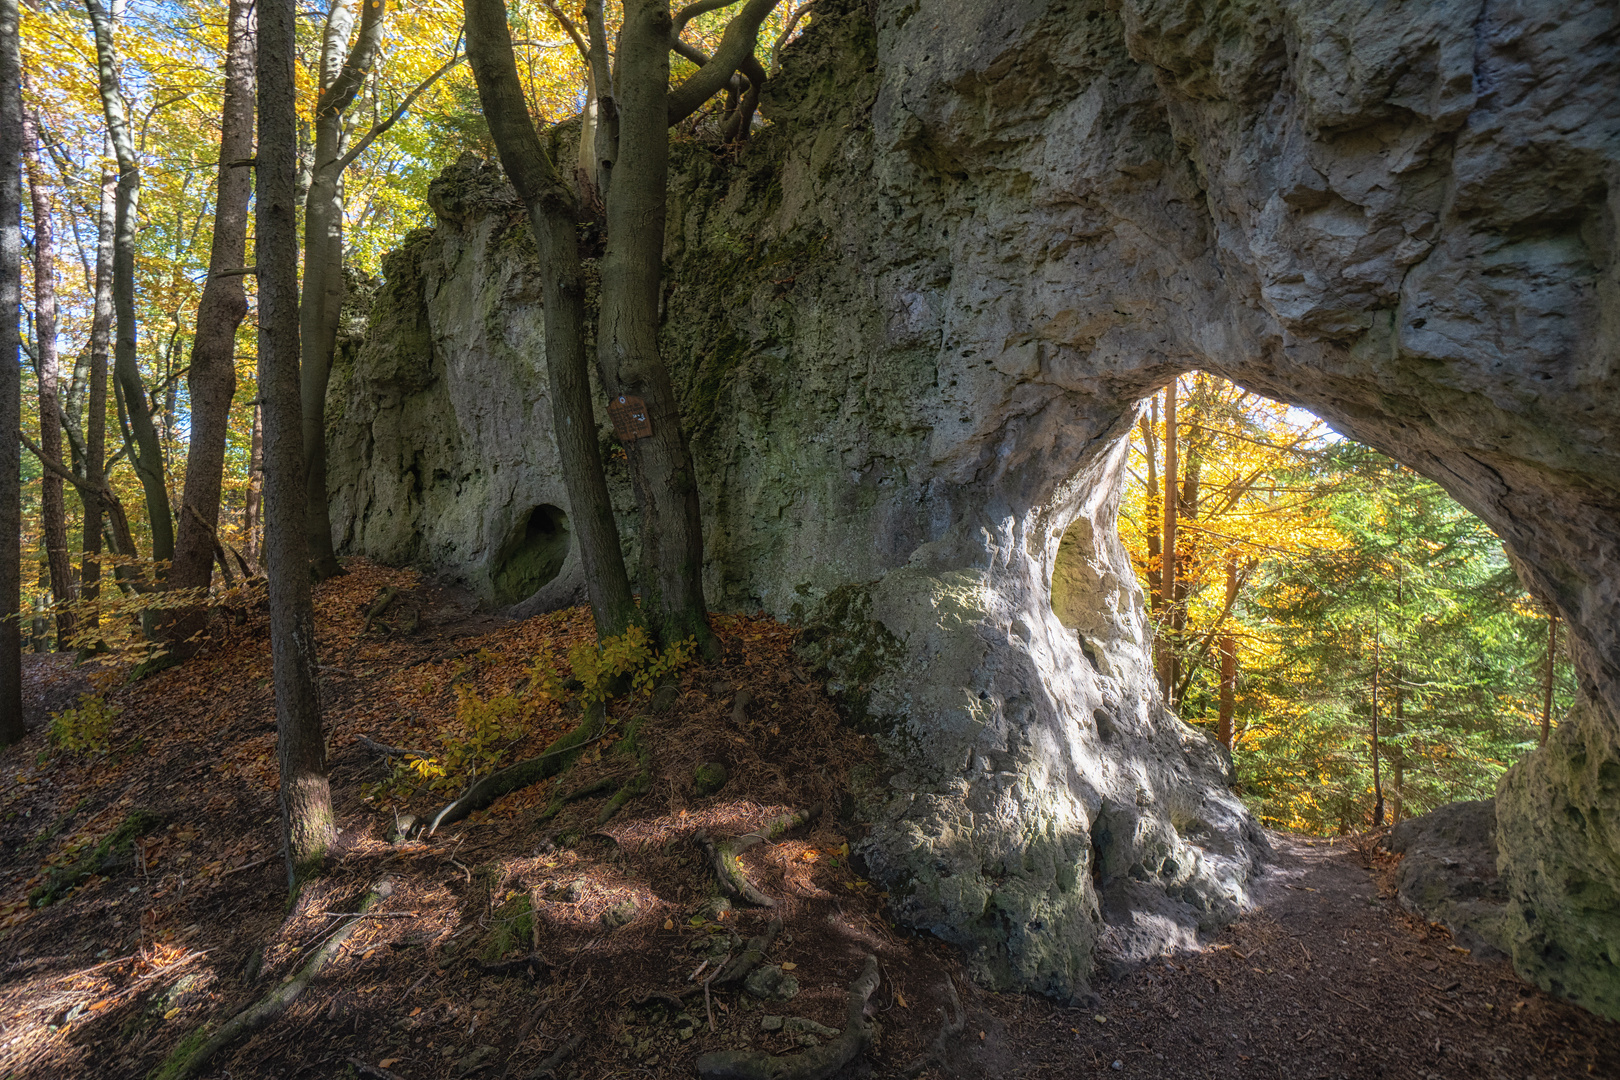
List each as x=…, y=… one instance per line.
x=212, y=375
x=627, y=335
x=135, y=409
x=53, y=507
x=306, y=798
x=11, y=150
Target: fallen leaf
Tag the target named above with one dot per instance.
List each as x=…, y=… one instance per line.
x=789, y=967
x=387, y=1063
x=900, y=1000
x=669, y=924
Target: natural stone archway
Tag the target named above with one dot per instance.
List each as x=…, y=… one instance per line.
x=911, y=325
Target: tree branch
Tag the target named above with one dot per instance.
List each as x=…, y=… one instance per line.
x=736, y=47
x=393, y=118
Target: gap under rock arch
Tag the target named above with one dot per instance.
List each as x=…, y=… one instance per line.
x=1337, y=622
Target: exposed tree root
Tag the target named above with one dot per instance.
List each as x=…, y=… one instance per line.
x=636, y=786
x=585, y=791
x=556, y=757
x=554, y=1061
x=750, y=958
x=937, y=1053
x=723, y=855
x=273, y=1004
x=383, y=749
x=381, y=603
x=817, y=1063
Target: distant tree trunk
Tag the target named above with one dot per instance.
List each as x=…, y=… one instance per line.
x=11, y=146
x=1378, y=780
x=212, y=375
x=252, y=510
x=553, y=219
x=146, y=451
x=1223, y=729
x=342, y=72
x=1172, y=498
x=1547, y=679
x=53, y=507
x=306, y=798
x=1155, y=547
x=95, y=425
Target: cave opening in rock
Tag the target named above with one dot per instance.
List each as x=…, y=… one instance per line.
x=531, y=555
x=1344, y=628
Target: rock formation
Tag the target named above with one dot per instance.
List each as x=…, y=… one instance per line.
x=912, y=323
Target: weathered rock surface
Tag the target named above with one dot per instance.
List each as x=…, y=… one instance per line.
x=911, y=325
x=1448, y=874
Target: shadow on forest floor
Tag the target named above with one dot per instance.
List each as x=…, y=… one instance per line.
x=1324, y=979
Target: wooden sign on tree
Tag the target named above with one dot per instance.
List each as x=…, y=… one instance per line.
x=629, y=416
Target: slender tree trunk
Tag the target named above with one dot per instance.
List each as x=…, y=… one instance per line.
x=661, y=467
x=553, y=219
x=342, y=71
x=252, y=510
x=1547, y=679
x=306, y=798
x=146, y=450
x=1397, y=755
x=1155, y=547
x=1172, y=466
x=1378, y=780
x=53, y=507
x=11, y=146
x=1228, y=706
x=212, y=375
x=95, y=424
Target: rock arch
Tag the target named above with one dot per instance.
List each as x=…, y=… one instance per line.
x=911, y=325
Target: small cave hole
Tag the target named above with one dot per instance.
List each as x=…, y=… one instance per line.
x=532, y=554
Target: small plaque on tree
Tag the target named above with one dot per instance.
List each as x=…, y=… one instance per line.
x=629, y=416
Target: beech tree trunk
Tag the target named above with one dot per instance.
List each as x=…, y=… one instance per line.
x=1228, y=706
x=1547, y=680
x=1378, y=780
x=342, y=72
x=53, y=507
x=95, y=426
x=306, y=798
x=661, y=467
x=1172, y=464
x=553, y=218
x=212, y=375
x=11, y=144
x=145, y=449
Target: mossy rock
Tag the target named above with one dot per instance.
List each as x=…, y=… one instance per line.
x=710, y=778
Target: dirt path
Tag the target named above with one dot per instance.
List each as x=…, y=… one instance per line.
x=1325, y=979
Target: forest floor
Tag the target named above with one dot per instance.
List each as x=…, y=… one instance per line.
x=508, y=934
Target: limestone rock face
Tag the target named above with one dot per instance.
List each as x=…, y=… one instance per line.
x=911, y=325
